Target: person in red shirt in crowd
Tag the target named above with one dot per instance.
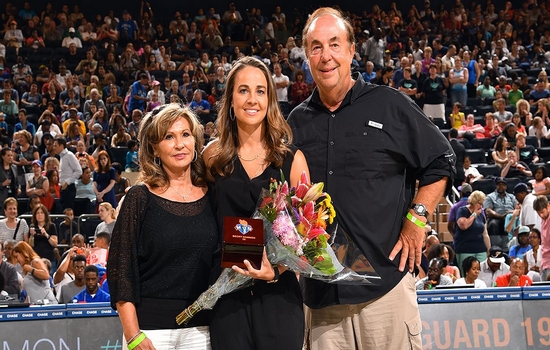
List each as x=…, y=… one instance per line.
x=476, y=129
x=516, y=277
x=492, y=129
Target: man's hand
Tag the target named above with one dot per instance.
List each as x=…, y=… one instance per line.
x=514, y=281
x=410, y=244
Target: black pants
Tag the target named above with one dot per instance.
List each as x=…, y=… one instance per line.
x=67, y=196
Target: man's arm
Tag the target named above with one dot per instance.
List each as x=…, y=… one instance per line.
x=411, y=238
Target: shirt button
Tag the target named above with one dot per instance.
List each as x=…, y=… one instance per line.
x=330, y=172
x=332, y=143
x=333, y=115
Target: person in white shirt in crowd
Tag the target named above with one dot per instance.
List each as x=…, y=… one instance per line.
x=69, y=171
x=281, y=82
x=471, y=267
x=494, y=266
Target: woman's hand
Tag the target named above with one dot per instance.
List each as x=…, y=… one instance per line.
x=265, y=273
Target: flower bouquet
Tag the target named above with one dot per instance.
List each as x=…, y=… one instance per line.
x=295, y=224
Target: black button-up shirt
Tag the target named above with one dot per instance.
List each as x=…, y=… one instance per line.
x=369, y=153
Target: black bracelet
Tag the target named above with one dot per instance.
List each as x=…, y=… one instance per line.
x=276, y=277
x=32, y=271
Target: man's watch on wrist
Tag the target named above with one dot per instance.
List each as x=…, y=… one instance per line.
x=420, y=210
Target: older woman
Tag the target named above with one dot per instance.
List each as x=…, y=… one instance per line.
x=163, y=243
x=253, y=148
x=36, y=278
x=11, y=227
x=471, y=237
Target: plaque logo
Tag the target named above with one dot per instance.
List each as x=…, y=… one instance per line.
x=243, y=227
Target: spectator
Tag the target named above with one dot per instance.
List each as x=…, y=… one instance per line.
x=471, y=237
x=69, y=171
x=68, y=227
x=497, y=205
x=519, y=250
x=523, y=109
x=201, y=107
x=107, y=215
x=458, y=77
x=85, y=189
x=121, y=137
x=516, y=276
x=9, y=107
x=133, y=126
x=541, y=182
x=435, y=276
x=515, y=168
x=71, y=39
x=25, y=153
x=470, y=130
x=445, y=252
x=539, y=130
x=542, y=208
x=8, y=177
x=500, y=154
x=465, y=191
x=71, y=289
x=13, y=36
x=532, y=258
x=539, y=92
x=92, y=293
x=138, y=94
x=457, y=117
x=486, y=89
x=35, y=275
x=11, y=280
x=494, y=266
x=104, y=179
x=526, y=153
x=38, y=184
x=121, y=183
x=44, y=234
x=132, y=160
x=472, y=269
x=433, y=94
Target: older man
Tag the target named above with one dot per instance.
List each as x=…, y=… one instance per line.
x=516, y=277
x=369, y=145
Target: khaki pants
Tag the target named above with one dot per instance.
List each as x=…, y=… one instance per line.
x=389, y=322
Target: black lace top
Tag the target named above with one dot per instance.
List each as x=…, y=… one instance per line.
x=160, y=256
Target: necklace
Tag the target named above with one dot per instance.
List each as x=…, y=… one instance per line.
x=251, y=159
x=182, y=196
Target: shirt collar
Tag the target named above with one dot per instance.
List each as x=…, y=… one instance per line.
x=355, y=91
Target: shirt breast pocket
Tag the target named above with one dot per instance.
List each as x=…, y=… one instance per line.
x=365, y=157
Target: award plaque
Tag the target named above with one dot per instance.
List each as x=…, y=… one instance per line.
x=243, y=239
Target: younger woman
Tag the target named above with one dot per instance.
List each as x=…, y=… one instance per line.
x=472, y=268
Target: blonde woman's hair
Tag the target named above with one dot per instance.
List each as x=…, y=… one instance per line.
x=152, y=131
x=107, y=206
x=476, y=197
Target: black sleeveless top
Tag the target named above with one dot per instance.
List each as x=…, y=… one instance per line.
x=237, y=194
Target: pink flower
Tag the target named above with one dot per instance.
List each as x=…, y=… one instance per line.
x=283, y=228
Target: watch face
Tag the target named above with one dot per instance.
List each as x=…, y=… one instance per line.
x=420, y=209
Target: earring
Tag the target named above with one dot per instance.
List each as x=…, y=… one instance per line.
x=231, y=115
x=157, y=161
x=196, y=156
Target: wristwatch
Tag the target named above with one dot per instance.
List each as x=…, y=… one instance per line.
x=276, y=277
x=420, y=210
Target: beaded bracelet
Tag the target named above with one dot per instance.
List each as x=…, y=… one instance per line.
x=134, y=337
x=137, y=341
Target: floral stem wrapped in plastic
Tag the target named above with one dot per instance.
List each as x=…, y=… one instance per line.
x=295, y=223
